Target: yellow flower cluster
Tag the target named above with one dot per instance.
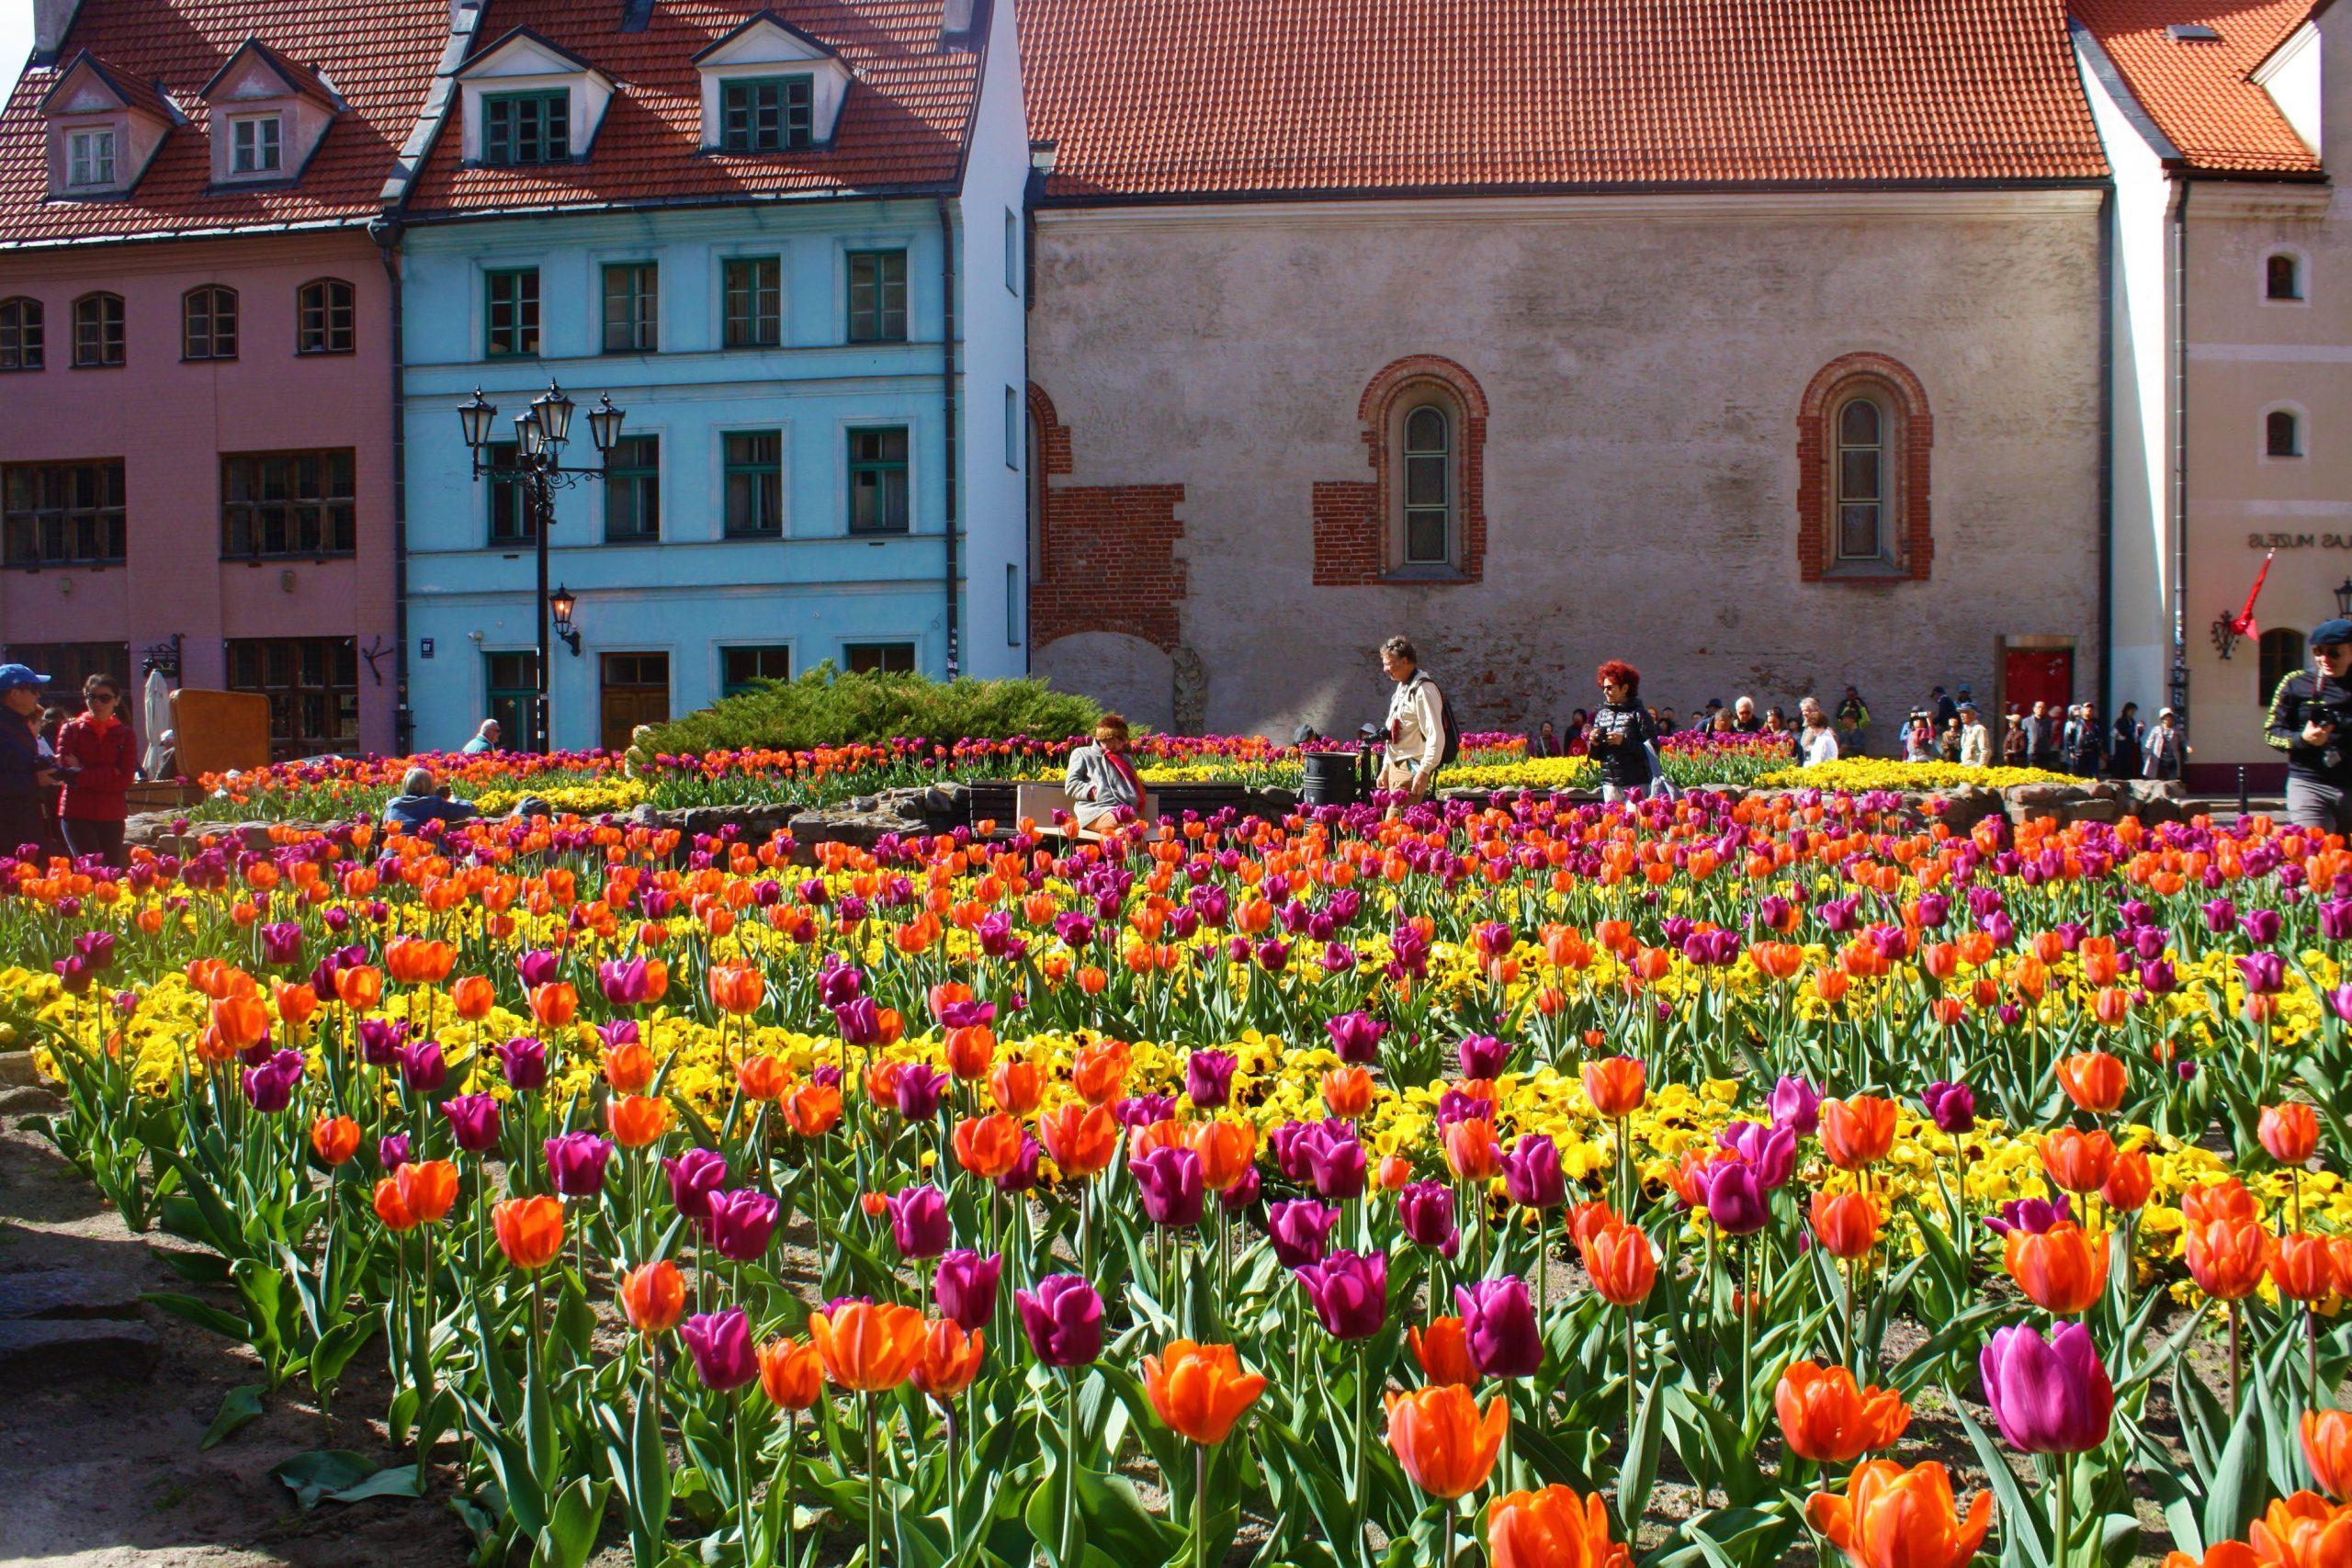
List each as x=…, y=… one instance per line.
x=615, y=794
x=1860, y=773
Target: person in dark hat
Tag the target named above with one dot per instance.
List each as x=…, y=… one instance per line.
x=26, y=776
x=2310, y=721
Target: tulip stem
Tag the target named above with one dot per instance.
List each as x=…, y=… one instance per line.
x=742, y=1479
x=1200, y=1505
x=1445, y=1557
x=1069, y=1459
x=874, y=1487
x=2065, y=1499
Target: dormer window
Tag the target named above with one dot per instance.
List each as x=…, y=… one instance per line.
x=769, y=87
x=90, y=159
x=526, y=128
x=767, y=114
x=256, y=144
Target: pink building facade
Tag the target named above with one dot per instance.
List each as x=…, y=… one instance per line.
x=221, y=474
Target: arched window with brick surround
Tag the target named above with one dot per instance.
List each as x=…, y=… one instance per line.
x=1422, y=515
x=1863, y=436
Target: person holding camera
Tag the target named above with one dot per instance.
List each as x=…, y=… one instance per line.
x=2310, y=721
x=1623, y=734
x=27, y=774
x=1416, y=725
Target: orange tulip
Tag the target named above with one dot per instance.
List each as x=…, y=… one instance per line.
x=1827, y=1418
x=1225, y=1150
x=2289, y=1132
x=2221, y=1555
x=1620, y=1260
x=1017, y=1087
x=970, y=1049
x=555, y=1004
x=2302, y=1532
x=737, y=988
x=2129, y=1183
x=529, y=1230
x=2078, y=1161
x=868, y=1348
x=653, y=1295
x=763, y=1079
x=419, y=1193
x=359, y=989
x=2227, y=1257
x=1443, y=1350
x=2304, y=1268
x=1894, y=1518
x=628, y=1068
x=1444, y=1444
x=1616, y=1084
x=335, y=1139
x=2225, y=1200
x=791, y=1374
x=1099, y=1072
x=473, y=997
x=1346, y=1092
x=812, y=1109
x=2093, y=1080
x=987, y=1147
x=637, y=1121
x=1857, y=1131
x=2327, y=1448
x=1472, y=1150
x=1845, y=1223
x=2062, y=1269
x=950, y=1361
x=391, y=1208
x=413, y=960
x=1552, y=1528
x=242, y=1021
x=1200, y=1390
x=1079, y=1139
x=296, y=1004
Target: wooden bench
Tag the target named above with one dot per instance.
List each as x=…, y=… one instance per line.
x=1039, y=802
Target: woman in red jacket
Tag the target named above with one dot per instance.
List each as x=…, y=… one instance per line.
x=98, y=761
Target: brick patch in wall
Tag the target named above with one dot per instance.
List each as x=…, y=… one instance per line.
x=1112, y=550
x=1347, y=533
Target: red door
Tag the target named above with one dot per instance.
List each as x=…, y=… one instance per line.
x=2034, y=675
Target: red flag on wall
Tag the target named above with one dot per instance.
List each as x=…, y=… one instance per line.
x=2242, y=622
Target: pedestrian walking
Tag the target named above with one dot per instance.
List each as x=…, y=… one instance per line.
x=2041, y=728
x=2310, y=721
x=1623, y=732
x=2165, y=752
x=2088, y=750
x=1975, y=740
x=1420, y=735
x=2123, y=749
x=98, y=760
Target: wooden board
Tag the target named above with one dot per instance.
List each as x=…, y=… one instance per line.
x=219, y=731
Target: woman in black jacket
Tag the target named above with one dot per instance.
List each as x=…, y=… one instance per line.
x=1621, y=732
x=26, y=777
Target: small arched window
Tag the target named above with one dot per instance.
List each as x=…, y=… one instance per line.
x=1427, y=484
x=2283, y=655
x=1864, y=436
x=1860, y=475
x=98, y=331
x=2282, y=277
x=323, y=317
x=21, y=334
x=209, y=323
x=2282, y=434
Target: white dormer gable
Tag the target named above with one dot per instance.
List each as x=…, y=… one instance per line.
x=104, y=128
x=268, y=116
x=524, y=63
x=767, y=49
x=2292, y=76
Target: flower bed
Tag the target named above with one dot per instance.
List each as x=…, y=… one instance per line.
x=1321, y=1173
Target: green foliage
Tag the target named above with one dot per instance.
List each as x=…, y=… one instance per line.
x=827, y=708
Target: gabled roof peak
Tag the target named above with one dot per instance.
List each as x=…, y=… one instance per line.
x=765, y=20
x=302, y=80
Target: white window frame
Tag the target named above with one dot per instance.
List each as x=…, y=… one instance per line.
x=1414, y=399
x=245, y=137
x=87, y=153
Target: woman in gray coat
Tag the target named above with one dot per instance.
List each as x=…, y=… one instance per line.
x=1101, y=778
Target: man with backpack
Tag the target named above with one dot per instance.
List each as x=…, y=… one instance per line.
x=1423, y=736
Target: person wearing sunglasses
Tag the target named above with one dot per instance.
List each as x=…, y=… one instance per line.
x=98, y=761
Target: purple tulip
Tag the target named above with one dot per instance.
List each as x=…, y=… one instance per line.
x=1735, y=1198
x=918, y=1221
x=1499, y=1320
x=1350, y=1291
x=1951, y=1106
x=1168, y=1180
x=1300, y=1229
x=1771, y=1150
x=2032, y=1215
x=740, y=1223
x=576, y=1164
x=538, y=967
x=965, y=1286
x=694, y=1176
x=2050, y=1397
x=2220, y=916
x=2156, y=977
x=918, y=1090
x=1021, y=1175
x=2261, y=926
x=270, y=1084
x=2264, y=973
x=1796, y=1105
x=1482, y=1057
x=1143, y=1109
x=1356, y=1037
x=473, y=1121
x=282, y=944
x=619, y=1031
x=422, y=1067
x=1337, y=1163
x=1208, y=1078
x=391, y=1151
x=523, y=1060
x=1531, y=1173
x=1243, y=1192
x=1457, y=1105
x=626, y=983
x=2335, y=919
x=720, y=1343
x=1425, y=1211
x=859, y=1022
x=1063, y=1317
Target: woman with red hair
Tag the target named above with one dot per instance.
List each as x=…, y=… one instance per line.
x=1623, y=732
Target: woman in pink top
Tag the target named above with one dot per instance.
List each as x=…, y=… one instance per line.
x=98, y=761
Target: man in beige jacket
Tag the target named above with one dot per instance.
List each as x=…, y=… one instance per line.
x=1415, y=723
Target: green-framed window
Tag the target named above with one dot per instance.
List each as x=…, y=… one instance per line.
x=511, y=696
x=511, y=311
x=633, y=490
x=766, y=114
x=877, y=481
x=878, y=297
x=753, y=288
x=632, y=308
x=754, y=484
x=511, y=522
x=526, y=128
x=740, y=669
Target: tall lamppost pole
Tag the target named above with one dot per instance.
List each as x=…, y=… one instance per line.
x=540, y=432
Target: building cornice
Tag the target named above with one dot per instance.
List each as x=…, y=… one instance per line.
x=1721, y=207
x=2218, y=198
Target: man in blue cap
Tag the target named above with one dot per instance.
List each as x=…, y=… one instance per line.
x=2310, y=721
x=25, y=773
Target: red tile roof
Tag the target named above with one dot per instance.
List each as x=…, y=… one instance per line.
x=2199, y=91
x=379, y=54
x=903, y=123
x=1205, y=97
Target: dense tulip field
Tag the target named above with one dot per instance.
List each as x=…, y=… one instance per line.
x=1690, y=1182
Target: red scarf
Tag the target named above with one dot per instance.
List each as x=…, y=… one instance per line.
x=1128, y=771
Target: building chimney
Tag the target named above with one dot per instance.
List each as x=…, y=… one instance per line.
x=50, y=18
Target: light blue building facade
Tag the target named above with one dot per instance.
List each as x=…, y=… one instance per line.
x=814, y=387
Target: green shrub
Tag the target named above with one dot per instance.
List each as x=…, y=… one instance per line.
x=826, y=707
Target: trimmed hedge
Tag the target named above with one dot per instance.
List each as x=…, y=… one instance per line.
x=827, y=708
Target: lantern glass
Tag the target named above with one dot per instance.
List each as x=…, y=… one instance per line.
x=560, y=604
x=604, y=424
x=475, y=415
x=555, y=415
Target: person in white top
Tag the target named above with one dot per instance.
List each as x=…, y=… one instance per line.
x=1817, y=742
x=1975, y=740
x=1416, y=723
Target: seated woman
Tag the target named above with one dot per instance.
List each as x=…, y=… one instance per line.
x=421, y=800
x=1100, y=778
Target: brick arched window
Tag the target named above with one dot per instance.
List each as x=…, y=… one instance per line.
x=1425, y=420
x=1863, y=437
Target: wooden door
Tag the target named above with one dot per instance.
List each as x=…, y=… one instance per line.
x=636, y=690
x=2032, y=675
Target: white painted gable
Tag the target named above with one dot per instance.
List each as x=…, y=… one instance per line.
x=765, y=47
